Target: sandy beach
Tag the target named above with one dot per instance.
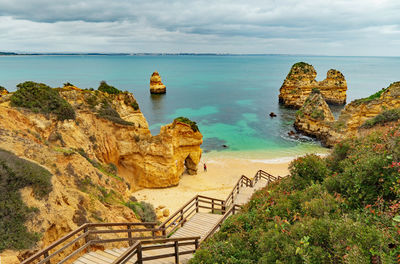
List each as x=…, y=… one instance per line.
x=222, y=174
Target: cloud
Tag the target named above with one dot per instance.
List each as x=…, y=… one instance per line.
x=357, y=27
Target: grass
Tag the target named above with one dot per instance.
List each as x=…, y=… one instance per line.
x=370, y=98
x=107, y=112
x=15, y=174
x=186, y=120
x=384, y=117
x=40, y=98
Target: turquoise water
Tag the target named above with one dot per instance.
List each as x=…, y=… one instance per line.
x=230, y=97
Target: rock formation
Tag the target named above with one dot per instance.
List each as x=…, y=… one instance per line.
x=156, y=86
x=301, y=81
x=351, y=118
x=97, y=160
x=3, y=91
x=314, y=117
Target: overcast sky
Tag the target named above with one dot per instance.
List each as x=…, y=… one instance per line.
x=328, y=27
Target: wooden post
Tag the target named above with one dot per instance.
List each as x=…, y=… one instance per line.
x=139, y=254
x=181, y=218
x=197, y=204
x=164, y=232
x=46, y=254
x=85, y=230
x=212, y=206
x=223, y=207
x=130, y=242
x=196, y=244
x=176, y=252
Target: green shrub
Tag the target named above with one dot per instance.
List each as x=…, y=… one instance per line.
x=384, y=117
x=104, y=87
x=372, y=97
x=186, y=120
x=145, y=211
x=40, y=98
x=15, y=174
x=341, y=209
x=308, y=169
x=107, y=112
x=2, y=89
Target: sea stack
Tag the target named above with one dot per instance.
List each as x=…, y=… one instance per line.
x=156, y=86
x=300, y=82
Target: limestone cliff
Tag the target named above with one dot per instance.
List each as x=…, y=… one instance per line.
x=301, y=81
x=351, y=118
x=156, y=86
x=97, y=160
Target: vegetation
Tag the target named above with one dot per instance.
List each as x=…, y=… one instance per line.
x=315, y=91
x=186, y=120
x=41, y=98
x=15, y=174
x=2, y=90
x=372, y=97
x=108, y=112
x=104, y=87
x=68, y=84
x=384, y=117
x=302, y=65
x=341, y=209
x=318, y=114
x=145, y=211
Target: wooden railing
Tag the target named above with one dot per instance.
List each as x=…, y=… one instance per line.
x=181, y=216
x=139, y=247
x=91, y=235
x=232, y=210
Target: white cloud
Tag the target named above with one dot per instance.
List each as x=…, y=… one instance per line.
x=341, y=27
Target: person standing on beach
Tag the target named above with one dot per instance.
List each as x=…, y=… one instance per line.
x=205, y=167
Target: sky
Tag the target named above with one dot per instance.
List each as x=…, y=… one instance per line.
x=314, y=27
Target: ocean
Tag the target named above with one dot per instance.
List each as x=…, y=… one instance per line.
x=230, y=97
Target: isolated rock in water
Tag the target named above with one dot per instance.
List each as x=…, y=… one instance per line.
x=3, y=91
x=156, y=86
x=314, y=118
x=272, y=114
x=300, y=82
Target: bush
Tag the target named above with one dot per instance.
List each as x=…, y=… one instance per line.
x=40, y=98
x=342, y=209
x=104, y=87
x=145, y=211
x=107, y=112
x=186, y=120
x=308, y=169
x=384, y=117
x=15, y=174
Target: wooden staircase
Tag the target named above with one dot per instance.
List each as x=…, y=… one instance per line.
x=173, y=241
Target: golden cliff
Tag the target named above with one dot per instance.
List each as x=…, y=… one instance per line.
x=3, y=91
x=351, y=118
x=300, y=82
x=156, y=86
x=97, y=160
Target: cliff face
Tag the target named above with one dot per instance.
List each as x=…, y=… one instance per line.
x=352, y=117
x=97, y=160
x=156, y=86
x=300, y=82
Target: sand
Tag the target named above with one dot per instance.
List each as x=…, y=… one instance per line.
x=222, y=174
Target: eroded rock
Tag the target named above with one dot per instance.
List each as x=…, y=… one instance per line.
x=156, y=86
x=300, y=82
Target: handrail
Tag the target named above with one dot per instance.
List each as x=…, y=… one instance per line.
x=173, y=222
x=139, y=247
x=85, y=229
